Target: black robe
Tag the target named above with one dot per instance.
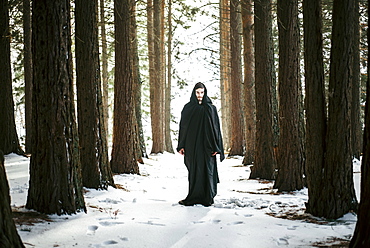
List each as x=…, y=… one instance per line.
x=200, y=136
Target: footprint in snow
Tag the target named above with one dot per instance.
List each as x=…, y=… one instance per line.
x=110, y=242
x=123, y=238
x=110, y=223
x=237, y=223
x=282, y=241
x=91, y=230
x=216, y=221
x=292, y=227
x=198, y=222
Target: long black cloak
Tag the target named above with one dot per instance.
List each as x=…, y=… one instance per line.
x=200, y=136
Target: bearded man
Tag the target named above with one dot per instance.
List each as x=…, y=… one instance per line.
x=199, y=141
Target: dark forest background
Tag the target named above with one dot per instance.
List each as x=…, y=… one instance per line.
x=80, y=76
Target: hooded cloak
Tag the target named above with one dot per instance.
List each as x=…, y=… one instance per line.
x=200, y=137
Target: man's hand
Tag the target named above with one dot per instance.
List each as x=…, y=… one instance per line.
x=182, y=151
x=214, y=154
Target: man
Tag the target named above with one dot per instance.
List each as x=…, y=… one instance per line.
x=199, y=141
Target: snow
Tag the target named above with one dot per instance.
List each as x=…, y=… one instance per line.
x=144, y=212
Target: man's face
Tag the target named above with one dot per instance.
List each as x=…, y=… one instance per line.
x=199, y=93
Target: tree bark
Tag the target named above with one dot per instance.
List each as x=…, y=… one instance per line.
x=96, y=171
x=141, y=147
x=249, y=92
x=290, y=150
x=124, y=158
x=104, y=66
x=265, y=163
x=315, y=103
x=356, y=127
x=338, y=170
x=8, y=233
x=237, y=124
x=225, y=72
x=361, y=237
x=27, y=73
x=55, y=185
x=157, y=93
x=167, y=99
x=9, y=141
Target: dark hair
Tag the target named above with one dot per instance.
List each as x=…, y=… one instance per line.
x=199, y=85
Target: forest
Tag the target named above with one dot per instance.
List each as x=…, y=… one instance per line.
x=91, y=86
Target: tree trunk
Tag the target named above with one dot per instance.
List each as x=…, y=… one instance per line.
x=137, y=83
x=338, y=170
x=9, y=139
x=361, y=237
x=104, y=66
x=167, y=99
x=225, y=71
x=237, y=125
x=315, y=102
x=124, y=158
x=27, y=72
x=249, y=93
x=9, y=237
x=96, y=172
x=156, y=96
x=290, y=150
x=55, y=185
x=264, y=166
x=356, y=127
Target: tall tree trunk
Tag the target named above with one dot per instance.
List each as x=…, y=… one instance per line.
x=290, y=150
x=104, y=66
x=9, y=138
x=137, y=89
x=356, y=127
x=338, y=170
x=361, y=237
x=124, y=133
x=150, y=38
x=225, y=71
x=315, y=102
x=96, y=171
x=167, y=98
x=264, y=166
x=27, y=72
x=249, y=93
x=8, y=232
x=156, y=96
x=237, y=124
x=55, y=171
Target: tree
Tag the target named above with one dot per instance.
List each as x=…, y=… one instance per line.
x=249, y=93
x=8, y=133
x=361, y=236
x=290, y=150
x=237, y=125
x=156, y=83
x=225, y=72
x=338, y=171
x=96, y=172
x=124, y=131
x=264, y=166
x=315, y=104
x=141, y=149
x=356, y=126
x=8, y=233
x=167, y=94
x=55, y=185
x=27, y=72
x=104, y=65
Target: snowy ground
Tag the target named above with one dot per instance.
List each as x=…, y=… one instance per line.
x=144, y=212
